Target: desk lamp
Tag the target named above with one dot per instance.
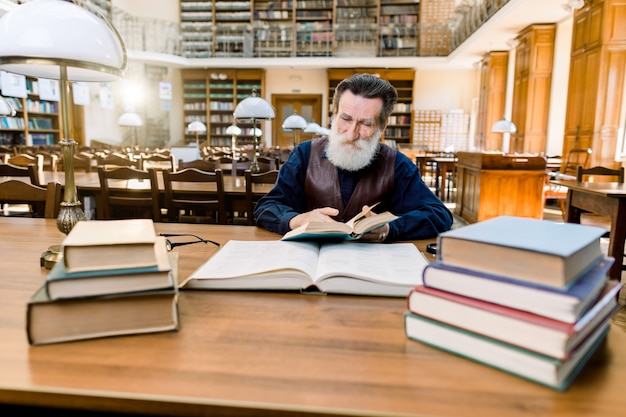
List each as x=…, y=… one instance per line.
x=312, y=128
x=5, y=108
x=197, y=127
x=506, y=127
x=132, y=120
x=233, y=131
x=60, y=40
x=254, y=108
x=294, y=123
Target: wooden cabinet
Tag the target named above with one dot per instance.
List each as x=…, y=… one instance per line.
x=491, y=100
x=534, y=55
x=211, y=95
x=400, y=126
x=596, y=80
x=492, y=184
x=36, y=122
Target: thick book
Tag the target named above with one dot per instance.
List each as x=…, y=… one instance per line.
x=529, y=331
x=106, y=244
x=63, y=284
x=329, y=267
x=564, y=304
x=353, y=229
x=54, y=321
x=539, y=251
x=542, y=369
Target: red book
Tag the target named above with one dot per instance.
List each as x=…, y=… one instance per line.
x=530, y=331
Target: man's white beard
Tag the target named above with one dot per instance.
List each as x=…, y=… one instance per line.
x=351, y=155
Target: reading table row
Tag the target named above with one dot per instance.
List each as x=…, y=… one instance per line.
x=267, y=354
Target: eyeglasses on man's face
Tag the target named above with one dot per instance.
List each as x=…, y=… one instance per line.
x=171, y=245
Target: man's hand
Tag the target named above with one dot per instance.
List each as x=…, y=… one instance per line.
x=323, y=214
x=377, y=235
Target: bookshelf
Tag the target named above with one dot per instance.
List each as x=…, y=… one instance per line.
x=211, y=95
x=400, y=126
x=36, y=121
x=267, y=28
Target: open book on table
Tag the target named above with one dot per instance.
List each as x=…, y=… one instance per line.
x=353, y=229
x=332, y=267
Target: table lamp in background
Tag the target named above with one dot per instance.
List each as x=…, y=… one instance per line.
x=132, y=120
x=60, y=40
x=197, y=127
x=294, y=123
x=233, y=131
x=254, y=108
x=312, y=128
x=506, y=127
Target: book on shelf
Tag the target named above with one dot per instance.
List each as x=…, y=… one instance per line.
x=54, y=321
x=523, y=248
x=106, y=244
x=329, y=267
x=529, y=331
x=63, y=284
x=554, y=373
x=564, y=304
x=353, y=229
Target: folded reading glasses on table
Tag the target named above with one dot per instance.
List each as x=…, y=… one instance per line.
x=171, y=245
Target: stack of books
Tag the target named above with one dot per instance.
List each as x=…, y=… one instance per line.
x=116, y=277
x=525, y=296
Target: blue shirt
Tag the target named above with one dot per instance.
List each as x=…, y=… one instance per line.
x=421, y=215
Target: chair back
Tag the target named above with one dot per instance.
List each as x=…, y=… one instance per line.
x=158, y=161
x=115, y=160
x=30, y=171
x=24, y=160
x=129, y=193
x=576, y=157
x=267, y=177
x=201, y=206
x=201, y=164
x=267, y=163
x=600, y=171
x=42, y=201
x=83, y=162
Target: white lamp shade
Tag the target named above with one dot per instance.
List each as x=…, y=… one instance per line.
x=503, y=126
x=5, y=108
x=37, y=37
x=312, y=128
x=295, y=121
x=257, y=132
x=130, y=119
x=233, y=130
x=254, y=107
x=196, y=127
x=324, y=131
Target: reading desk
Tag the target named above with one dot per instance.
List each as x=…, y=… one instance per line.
x=267, y=354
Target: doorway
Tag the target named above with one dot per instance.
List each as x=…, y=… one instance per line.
x=308, y=106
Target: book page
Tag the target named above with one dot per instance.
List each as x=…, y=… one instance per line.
x=243, y=258
x=396, y=264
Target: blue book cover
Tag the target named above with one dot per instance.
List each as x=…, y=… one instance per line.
x=565, y=304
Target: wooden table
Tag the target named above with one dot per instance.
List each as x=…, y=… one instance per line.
x=603, y=198
x=444, y=165
x=268, y=354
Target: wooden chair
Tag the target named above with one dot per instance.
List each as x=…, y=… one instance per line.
x=201, y=164
x=158, y=162
x=24, y=160
x=583, y=173
x=576, y=157
x=128, y=193
x=267, y=163
x=30, y=171
x=42, y=201
x=267, y=177
x=116, y=160
x=50, y=160
x=83, y=162
x=195, y=207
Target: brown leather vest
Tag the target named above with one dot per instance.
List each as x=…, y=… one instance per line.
x=321, y=183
